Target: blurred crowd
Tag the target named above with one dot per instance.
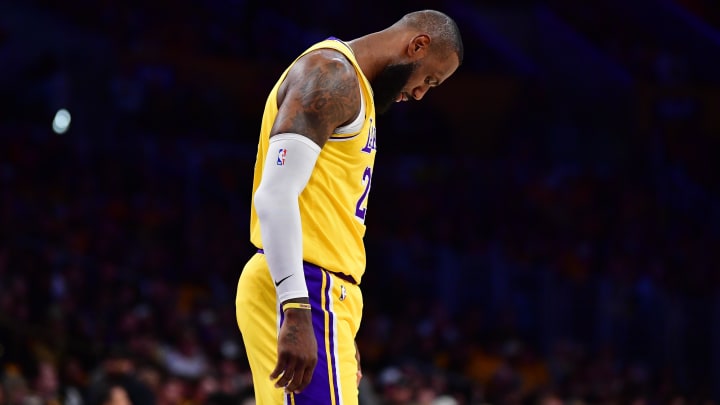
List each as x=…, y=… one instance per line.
x=569, y=259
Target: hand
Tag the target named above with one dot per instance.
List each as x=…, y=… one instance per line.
x=297, y=351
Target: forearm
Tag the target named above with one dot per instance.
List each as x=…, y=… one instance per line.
x=281, y=230
x=289, y=162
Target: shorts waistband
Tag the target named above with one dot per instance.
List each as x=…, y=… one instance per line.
x=341, y=276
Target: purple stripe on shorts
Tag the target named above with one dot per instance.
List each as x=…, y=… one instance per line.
x=318, y=392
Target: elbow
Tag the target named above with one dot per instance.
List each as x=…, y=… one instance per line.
x=262, y=202
x=269, y=202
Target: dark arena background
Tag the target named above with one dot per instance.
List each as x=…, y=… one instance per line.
x=544, y=228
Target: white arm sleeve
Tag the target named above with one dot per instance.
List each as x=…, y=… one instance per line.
x=288, y=165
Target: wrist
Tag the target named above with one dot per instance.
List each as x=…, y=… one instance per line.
x=296, y=306
x=298, y=317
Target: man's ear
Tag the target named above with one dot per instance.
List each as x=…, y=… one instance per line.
x=418, y=46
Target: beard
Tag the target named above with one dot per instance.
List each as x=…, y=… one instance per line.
x=389, y=83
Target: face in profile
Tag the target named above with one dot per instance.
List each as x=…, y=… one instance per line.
x=412, y=80
x=388, y=84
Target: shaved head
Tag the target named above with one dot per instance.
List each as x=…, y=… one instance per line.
x=443, y=30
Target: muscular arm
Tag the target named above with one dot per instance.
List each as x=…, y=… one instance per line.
x=320, y=93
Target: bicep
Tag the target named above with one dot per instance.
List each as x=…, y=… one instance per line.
x=319, y=94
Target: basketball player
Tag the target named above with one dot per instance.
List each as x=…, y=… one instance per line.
x=298, y=300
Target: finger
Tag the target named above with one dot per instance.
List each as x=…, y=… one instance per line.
x=307, y=377
x=300, y=380
x=296, y=384
x=280, y=367
x=287, y=375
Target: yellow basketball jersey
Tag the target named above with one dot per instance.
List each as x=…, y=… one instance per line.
x=334, y=202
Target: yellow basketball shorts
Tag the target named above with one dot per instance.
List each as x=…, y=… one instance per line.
x=336, y=312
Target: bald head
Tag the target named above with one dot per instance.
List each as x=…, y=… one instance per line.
x=443, y=30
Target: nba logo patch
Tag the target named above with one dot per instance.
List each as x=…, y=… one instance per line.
x=282, y=152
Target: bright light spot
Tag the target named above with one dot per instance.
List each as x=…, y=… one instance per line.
x=61, y=122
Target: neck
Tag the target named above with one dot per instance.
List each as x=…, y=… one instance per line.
x=374, y=51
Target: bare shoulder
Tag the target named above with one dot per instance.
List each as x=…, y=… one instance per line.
x=320, y=93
